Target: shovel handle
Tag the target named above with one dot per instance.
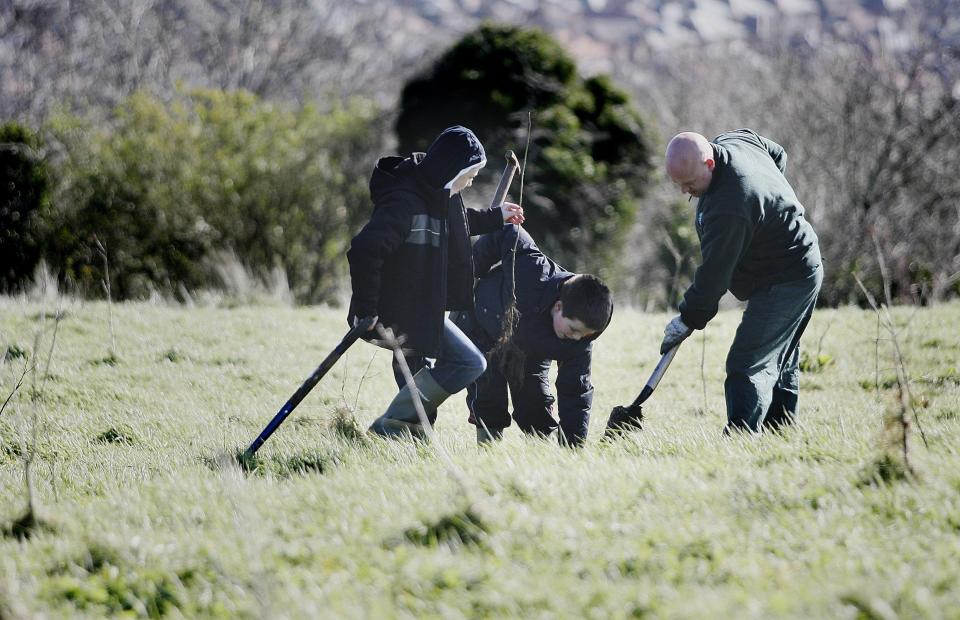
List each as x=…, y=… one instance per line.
x=657, y=374
x=352, y=336
x=505, y=179
x=662, y=366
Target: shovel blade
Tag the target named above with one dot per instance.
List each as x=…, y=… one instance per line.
x=624, y=419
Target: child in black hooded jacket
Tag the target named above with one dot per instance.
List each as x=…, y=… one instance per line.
x=412, y=261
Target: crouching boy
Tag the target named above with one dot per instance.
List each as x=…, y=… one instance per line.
x=412, y=261
x=560, y=314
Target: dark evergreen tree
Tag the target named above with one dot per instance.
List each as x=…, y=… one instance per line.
x=589, y=159
x=23, y=193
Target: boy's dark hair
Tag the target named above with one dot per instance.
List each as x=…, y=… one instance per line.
x=587, y=299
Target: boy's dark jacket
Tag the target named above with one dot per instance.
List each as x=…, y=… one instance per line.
x=412, y=260
x=539, y=280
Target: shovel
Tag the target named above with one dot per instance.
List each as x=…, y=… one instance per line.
x=630, y=417
x=308, y=385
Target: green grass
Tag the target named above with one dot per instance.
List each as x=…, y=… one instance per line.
x=142, y=509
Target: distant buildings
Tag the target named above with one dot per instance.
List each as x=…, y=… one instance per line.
x=602, y=32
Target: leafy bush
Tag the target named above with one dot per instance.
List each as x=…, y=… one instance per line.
x=107, y=581
x=589, y=157
x=678, y=248
x=172, y=186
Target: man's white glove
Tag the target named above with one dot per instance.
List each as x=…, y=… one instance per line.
x=673, y=334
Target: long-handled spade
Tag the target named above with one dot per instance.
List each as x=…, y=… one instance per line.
x=626, y=418
x=352, y=336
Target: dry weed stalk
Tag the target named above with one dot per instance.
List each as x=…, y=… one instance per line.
x=703, y=374
x=898, y=425
x=102, y=250
x=509, y=357
x=469, y=490
x=26, y=524
x=26, y=368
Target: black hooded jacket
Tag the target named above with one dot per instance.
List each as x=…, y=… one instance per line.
x=412, y=260
x=538, y=284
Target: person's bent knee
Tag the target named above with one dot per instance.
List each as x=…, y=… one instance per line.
x=476, y=366
x=462, y=372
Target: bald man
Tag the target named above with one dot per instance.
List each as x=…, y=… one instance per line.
x=755, y=243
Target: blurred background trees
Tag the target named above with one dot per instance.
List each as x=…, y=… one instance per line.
x=172, y=189
x=590, y=155
x=871, y=128
x=24, y=188
x=263, y=169
x=184, y=135
x=91, y=55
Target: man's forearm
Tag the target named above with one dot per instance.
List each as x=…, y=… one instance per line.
x=722, y=246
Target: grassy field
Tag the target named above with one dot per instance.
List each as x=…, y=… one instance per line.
x=141, y=514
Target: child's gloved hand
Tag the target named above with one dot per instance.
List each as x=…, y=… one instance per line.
x=673, y=334
x=359, y=319
x=383, y=344
x=512, y=213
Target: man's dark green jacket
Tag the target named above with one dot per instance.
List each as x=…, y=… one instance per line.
x=751, y=227
x=509, y=254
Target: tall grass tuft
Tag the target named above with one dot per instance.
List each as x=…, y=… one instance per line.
x=27, y=525
x=462, y=528
x=343, y=423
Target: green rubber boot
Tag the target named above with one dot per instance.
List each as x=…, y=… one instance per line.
x=401, y=417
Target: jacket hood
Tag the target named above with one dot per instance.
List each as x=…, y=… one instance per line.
x=389, y=173
x=454, y=151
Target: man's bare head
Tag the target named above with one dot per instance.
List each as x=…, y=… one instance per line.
x=690, y=162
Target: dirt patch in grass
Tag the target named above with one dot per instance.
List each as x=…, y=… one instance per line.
x=26, y=526
x=123, y=435
x=279, y=466
x=886, y=469
x=464, y=528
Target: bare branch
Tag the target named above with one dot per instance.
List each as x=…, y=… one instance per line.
x=27, y=367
